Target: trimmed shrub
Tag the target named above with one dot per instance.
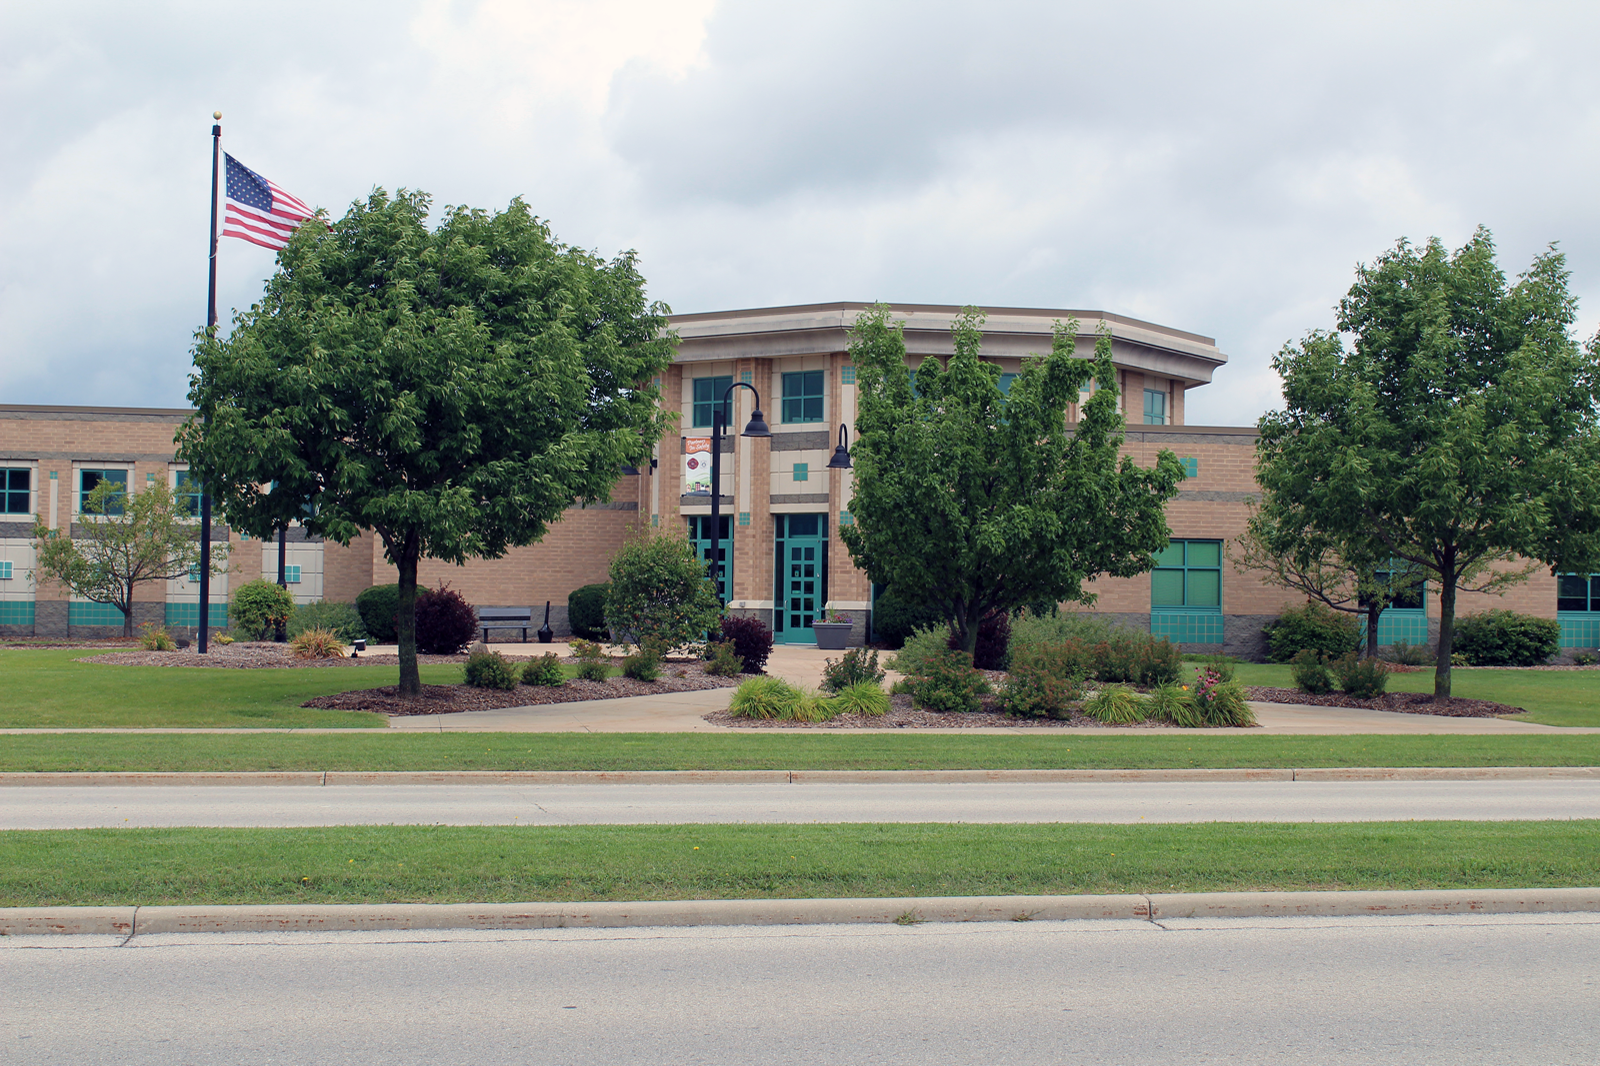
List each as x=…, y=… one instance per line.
x=258, y=608
x=1067, y=627
x=545, y=670
x=446, y=622
x=660, y=593
x=1362, y=678
x=1506, y=638
x=948, y=684
x=895, y=618
x=1313, y=626
x=1115, y=705
x=722, y=660
x=1129, y=656
x=377, y=606
x=593, y=664
x=342, y=619
x=992, y=651
x=644, y=664
x=858, y=665
x=920, y=648
x=1309, y=668
x=586, y=612
x=864, y=698
x=751, y=639
x=490, y=669
x=316, y=644
x=1044, y=681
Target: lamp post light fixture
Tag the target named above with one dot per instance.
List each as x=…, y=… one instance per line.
x=757, y=427
x=841, y=454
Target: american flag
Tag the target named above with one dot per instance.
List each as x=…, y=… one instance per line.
x=257, y=210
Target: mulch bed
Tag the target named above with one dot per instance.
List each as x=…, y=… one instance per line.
x=1403, y=702
x=448, y=699
x=265, y=655
x=902, y=715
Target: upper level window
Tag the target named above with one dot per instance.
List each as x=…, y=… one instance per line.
x=15, y=485
x=186, y=495
x=1578, y=592
x=1188, y=574
x=802, y=396
x=89, y=479
x=1006, y=381
x=707, y=391
x=1408, y=598
x=1155, y=407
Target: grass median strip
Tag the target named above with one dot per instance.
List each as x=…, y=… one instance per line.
x=439, y=864
x=772, y=751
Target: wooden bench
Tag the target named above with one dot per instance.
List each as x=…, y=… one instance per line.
x=505, y=618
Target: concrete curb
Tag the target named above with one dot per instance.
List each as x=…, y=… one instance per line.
x=794, y=777
x=137, y=921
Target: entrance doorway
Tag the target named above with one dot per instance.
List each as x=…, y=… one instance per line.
x=801, y=572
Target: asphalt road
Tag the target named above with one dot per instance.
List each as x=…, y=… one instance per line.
x=1472, y=989
x=625, y=804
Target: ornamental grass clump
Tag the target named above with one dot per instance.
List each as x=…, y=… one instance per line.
x=545, y=670
x=865, y=698
x=1115, y=705
x=1221, y=702
x=316, y=644
x=156, y=638
x=490, y=669
x=1175, y=705
x=764, y=697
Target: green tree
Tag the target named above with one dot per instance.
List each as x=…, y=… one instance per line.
x=659, y=594
x=972, y=500
x=1458, y=436
x=123, y=541
x=452, y=390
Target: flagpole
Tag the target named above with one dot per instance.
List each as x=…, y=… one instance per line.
x=211, y=326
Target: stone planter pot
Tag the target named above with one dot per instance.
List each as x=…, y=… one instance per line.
x=832, y=636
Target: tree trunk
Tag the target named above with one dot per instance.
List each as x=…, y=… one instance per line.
x=965, y=629
x=127, y=618
x=1447, y=631
x=281, y=633
x=1374, y=612
x=405, y=619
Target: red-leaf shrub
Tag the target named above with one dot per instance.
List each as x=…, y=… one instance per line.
x=446, y=623
x=752, y=641
x=992, y=651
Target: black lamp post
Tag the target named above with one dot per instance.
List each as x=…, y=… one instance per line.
x=756, y=428
x=841, y=454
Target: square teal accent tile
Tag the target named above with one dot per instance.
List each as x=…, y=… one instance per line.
x=846, y=518
x=5, y=569
x=291, y=575
x=1191, y=465
x=802, y=471
x=16, y=612
x=52, y=475
x=744, y=518
x=847, y=376
x=745, y=377
x=1579, y=629
x=187, y=615
x=1409, y=626
x=94, y=614
x=1187, y=627
x=655, y=520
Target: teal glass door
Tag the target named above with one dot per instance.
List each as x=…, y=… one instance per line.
x=801, y=570
x=700, y=537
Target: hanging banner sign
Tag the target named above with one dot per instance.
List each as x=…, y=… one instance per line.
x=697, y=466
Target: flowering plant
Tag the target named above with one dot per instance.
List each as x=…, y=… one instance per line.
x=835, y=616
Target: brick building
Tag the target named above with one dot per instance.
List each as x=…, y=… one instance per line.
x=781, y=504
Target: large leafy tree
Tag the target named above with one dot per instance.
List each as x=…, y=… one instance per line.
x=124, y=541
x=453, y=390
x=972, y=500
x=1456, y=438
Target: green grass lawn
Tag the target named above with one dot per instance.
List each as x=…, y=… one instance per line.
x=365, y=750
x=1552, y=697
x=480, y=864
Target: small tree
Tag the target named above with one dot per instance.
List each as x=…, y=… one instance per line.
x=971, y=500
x=124, y=540
x=1457, y=435
x=660, y=594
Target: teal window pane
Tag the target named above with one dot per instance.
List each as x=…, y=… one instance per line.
x=186, y=495
x=1191, y=466
x=802, y=396
x=707, y=391
x=1172, y=555
x=291, y=575
x=1006, y=381
x=88, y=480
x=1205, y=589
x=1166, y=588
x=1155, y=407
x=1205, y=553
x=802, y=471
x=1572, y=593
x=15, y=483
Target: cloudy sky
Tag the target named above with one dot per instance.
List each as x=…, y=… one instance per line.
x=1217, y=167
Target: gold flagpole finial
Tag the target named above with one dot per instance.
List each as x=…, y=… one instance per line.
x=216, y=114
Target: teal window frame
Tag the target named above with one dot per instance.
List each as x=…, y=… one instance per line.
x=1571, y=599
x=803, y=395
x=116, y=501
x=1155, y=407
x=186, y=495
x=1006, y=381
x=707, y=392
x=16, y=490
x=1188, y=577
